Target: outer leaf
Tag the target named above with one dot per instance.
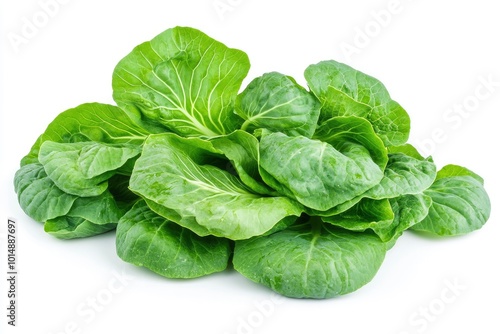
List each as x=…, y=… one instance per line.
x=38, y=196
x=146, y=239
x=408, y=211
x=310, y=260
x=276, y=102
x=455, y=170
x=460, y=203
x=96, y=159
x=169, y=173
x=82, y=169
x=314, y=173
x=100, y=210
x=403, y=175
x=90, y=122
x=344, y=91
x=184, y=80
x=68, y=227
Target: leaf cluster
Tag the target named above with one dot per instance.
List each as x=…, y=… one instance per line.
x=303, y=189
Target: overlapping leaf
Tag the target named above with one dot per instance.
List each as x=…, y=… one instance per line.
x=182, y=80
x=176, y=174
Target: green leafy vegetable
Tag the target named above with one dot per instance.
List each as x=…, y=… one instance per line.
x=147, y=239
x=311, y=186
x=38, y=195
x=404, y=175
x=408, y=211
x=459, y=203
x=345, y=91
x=183, y=80
x=95, y=122
x=83, y=168
x=65, y=216
x=174, y=173
x=310, y=260
x=277, y=103
x=314, y=173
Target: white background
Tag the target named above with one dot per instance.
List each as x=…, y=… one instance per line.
x=432, y=56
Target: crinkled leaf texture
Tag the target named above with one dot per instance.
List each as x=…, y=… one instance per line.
x=69, y=227
x=311, y=260
x=65, y=216
x=388, y=218
x=180, y=180
x=82, y=169
x=276, y=102
x=345, y=91
x=460, y=203
x=323, y=174
x=403, y=175
x=88, y=216
x=144, y=238
x=182, y=80
x=74, y=179
x=313, y=186
x=38, y=195
x=408, y=211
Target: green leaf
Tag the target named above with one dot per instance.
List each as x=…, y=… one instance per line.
x=83, y=168
x=100, y=210
x=339, y=131
x=367, y=214
x=65, y=216
x=460, y=203
x=344, y=91
x=314, y=173
x=455, y=170
x=144, y=238
x=311, y=260
x=188, y=221
x=183, y=80
x=68, y=227
x=276, y=102
x=90, y=122
x=408, y=211
x=38, y=196
x=96, y=159
x=172, y=173
x=404, y=175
